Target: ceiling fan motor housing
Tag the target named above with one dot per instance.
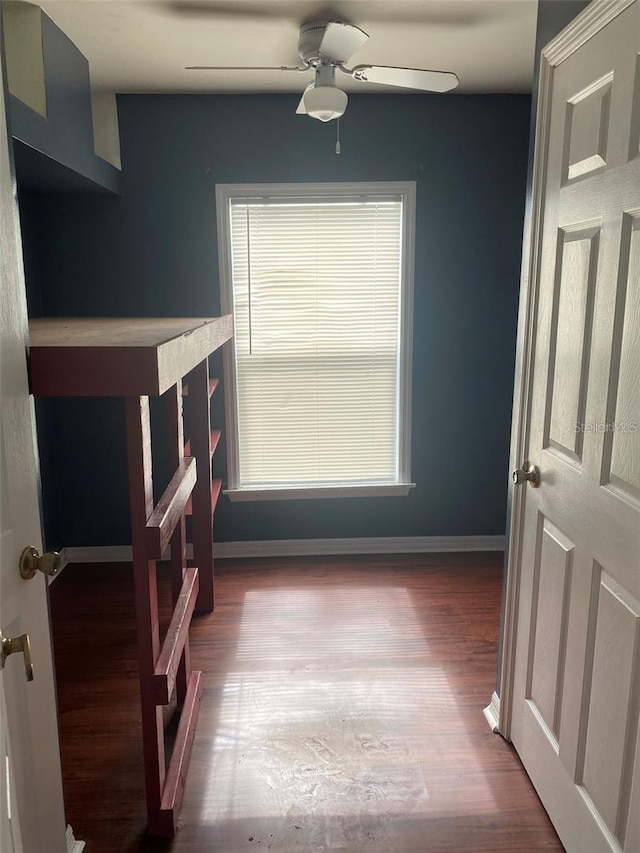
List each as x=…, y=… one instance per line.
x=311, y=36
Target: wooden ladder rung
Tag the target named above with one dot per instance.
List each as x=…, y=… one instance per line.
x=214, y=438
x=164, y=677
x=177, y=772
x=213, y=384
x=216, y=488
x=162, y=521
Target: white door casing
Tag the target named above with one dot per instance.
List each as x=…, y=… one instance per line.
x=570, y=695
x=28, y=715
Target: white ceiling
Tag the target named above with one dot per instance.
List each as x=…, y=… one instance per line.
x=144, y=45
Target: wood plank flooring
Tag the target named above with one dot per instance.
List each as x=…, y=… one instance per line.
x=342, y=711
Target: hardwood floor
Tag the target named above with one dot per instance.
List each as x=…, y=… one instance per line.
x=342, y=711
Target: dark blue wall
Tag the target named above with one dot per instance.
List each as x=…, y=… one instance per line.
x=153, y=252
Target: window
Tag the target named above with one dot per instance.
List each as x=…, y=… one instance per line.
x=319, y=278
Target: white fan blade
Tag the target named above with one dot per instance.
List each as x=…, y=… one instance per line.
x=301, y=110
x=409, y=78
x=340, y=42
x=245, y=68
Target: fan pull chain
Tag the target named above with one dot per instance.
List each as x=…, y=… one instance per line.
x=338, y=137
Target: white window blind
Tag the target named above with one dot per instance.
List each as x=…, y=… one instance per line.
x=316, y=286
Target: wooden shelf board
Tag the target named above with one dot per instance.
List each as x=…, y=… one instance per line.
x=213, y=384
x=214, y=439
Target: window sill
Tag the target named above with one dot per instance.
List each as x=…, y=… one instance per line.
x=301, y=493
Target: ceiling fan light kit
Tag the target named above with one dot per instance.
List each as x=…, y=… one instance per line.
x=324, y=102
x=323, y=99
x=324, y=47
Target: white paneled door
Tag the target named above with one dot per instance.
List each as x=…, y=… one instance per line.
x=575, y=681
x=31, y=805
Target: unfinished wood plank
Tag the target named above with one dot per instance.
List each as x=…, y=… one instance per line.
x=176, y=637
x=170, y=508
x=82, y=332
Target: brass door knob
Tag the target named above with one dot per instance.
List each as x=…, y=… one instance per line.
x=11, y=645
x=31, y=563
x=527, y=474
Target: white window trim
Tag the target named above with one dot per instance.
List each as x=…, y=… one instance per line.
x=407, y=189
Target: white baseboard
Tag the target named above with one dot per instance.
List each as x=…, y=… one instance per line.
x=308, y=548
x=73, y=846
x=492, y=713
x=368, y=545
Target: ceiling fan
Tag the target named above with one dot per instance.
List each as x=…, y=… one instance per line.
x=324, y=47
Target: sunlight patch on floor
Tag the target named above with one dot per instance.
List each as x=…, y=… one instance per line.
x=332, y=725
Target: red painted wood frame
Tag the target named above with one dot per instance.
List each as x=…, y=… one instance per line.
x=165, y=667
x=134, y=358
x=202, y=503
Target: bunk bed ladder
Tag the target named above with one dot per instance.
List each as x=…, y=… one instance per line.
x=164, y=668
